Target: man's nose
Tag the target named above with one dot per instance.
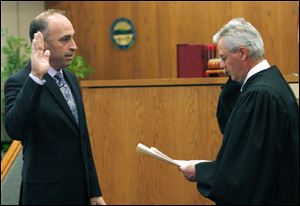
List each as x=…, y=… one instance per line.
x=73, y=45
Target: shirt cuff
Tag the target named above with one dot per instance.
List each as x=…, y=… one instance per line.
x=37, y=80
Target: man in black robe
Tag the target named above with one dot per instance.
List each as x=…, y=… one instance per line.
x=258, y=162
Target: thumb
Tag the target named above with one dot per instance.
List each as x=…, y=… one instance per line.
x=47, y=54
x=180, y=168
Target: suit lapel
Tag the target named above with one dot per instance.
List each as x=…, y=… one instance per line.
x=56, y=93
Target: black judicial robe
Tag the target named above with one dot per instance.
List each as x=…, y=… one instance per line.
x=258, y=162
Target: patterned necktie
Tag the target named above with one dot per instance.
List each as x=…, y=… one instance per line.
x=66, y=91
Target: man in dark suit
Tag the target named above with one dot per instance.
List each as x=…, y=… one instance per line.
x=44, y=110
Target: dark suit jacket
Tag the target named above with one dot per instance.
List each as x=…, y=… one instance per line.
x=58, y=165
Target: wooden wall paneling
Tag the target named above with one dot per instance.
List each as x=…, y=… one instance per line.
x=161, y=25
x=278, y=24
x=178, y=120
x=146, y=47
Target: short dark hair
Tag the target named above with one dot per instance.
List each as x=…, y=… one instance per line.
x=39, y=23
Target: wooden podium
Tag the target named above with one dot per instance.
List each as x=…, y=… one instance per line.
x=175, y=115
x=178, y=116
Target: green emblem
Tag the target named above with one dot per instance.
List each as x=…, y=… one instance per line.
x=123, y=33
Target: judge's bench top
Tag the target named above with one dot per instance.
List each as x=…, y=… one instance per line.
x=291, y=79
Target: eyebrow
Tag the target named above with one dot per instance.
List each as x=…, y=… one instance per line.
x=66, y=36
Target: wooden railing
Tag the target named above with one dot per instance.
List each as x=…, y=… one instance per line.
x=10, y=157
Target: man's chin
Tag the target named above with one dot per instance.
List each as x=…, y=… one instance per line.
x=232, y=77
x=68, y=63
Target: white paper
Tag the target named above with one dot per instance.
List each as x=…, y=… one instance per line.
x=155, y=153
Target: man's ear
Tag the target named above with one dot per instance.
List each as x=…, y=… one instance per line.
x=244, y=51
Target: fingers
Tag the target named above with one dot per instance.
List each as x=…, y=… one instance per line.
x=188, y=170
x=37, y=47
x=39, y=56
x=38, y=43
x=47, y=54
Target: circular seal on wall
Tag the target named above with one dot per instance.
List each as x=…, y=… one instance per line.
x=123, y=33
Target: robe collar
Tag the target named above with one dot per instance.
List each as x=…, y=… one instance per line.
x=257, y=68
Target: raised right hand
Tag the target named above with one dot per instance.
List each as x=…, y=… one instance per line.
x=39, y=57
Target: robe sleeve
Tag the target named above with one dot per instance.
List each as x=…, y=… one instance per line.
x=227, y=99
x=248, y=159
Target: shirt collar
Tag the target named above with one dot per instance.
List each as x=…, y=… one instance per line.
x=257, y=68
x=52, y=72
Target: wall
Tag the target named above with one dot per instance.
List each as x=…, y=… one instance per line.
x=17, y=15
x=162, y=25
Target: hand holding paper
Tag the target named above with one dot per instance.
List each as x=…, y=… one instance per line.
x=155, y=153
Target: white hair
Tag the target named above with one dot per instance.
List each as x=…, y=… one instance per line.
x=239, y=32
